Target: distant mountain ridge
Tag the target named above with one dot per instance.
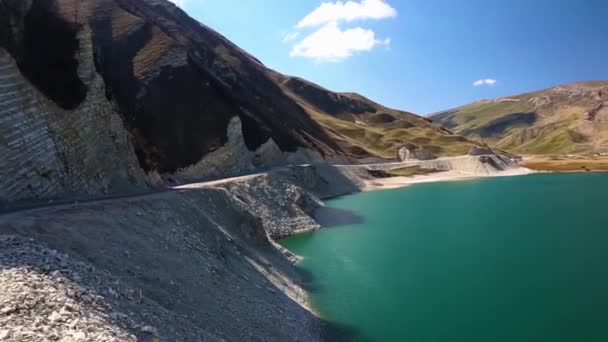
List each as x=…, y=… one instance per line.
x=569, y=118
x=363, y=127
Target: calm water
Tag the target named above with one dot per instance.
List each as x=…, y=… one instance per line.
x=502, y=259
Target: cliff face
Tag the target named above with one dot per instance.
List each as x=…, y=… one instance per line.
x=97, y=93
x=94, y=93
x=180, y=83
x=48, y=150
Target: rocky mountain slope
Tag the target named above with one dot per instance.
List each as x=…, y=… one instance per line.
x=363, y=127
x=98, y=93
x=571, y=118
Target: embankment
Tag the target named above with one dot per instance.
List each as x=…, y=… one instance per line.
x=189, y=265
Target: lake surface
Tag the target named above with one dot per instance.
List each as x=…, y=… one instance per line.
x=500, y=259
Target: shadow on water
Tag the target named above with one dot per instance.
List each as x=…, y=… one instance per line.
x=330, y=331
x=334, y=217
x=308, y=281
x=339, y=332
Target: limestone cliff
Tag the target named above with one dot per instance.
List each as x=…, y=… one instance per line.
x=48, y=151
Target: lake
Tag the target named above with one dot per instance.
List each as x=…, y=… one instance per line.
x=495, y=259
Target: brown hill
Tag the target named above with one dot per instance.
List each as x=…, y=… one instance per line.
x=571, y=118
x=363, y=127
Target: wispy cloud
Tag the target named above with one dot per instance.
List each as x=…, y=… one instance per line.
x=332, y=44
x=287, y=37
x=347, y=11
x=486, y=81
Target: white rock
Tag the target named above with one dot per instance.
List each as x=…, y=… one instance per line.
x=7, y=310
x=149, y=330
x=55, y=317
x=79, y=336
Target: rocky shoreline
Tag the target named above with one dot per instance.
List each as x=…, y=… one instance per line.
x=191, y=265
x=196, y=264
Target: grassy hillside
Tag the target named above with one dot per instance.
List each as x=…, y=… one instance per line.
x=362, y=127
x=570, y=118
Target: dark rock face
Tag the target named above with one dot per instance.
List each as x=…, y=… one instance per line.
x=330, y=102
x=423, y=154
x=45, y=48
x=50, y=63
x=189, y=81
x=175, y=82
x=174, y=85
x=490, y=160
x=480, y=151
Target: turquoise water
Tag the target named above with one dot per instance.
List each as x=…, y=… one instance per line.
x=501, y=259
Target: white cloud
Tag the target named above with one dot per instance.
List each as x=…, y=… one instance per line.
x=287, y=37
x=487, y=81
x=331, y=44
x=347, y=11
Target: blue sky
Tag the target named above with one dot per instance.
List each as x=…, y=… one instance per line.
x=420, y=55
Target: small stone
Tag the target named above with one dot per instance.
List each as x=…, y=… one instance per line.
x=7, y=310
x=136, y=295
x=73, y=323
x=4, y=334
x=112, y=292
x=79, y=336
x=55, y=317
x=149, y=330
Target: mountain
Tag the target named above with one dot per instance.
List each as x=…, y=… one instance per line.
x=363, y=127
x=570, y=118
x=101, y=96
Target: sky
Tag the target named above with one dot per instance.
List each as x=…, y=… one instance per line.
x=422, y=56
